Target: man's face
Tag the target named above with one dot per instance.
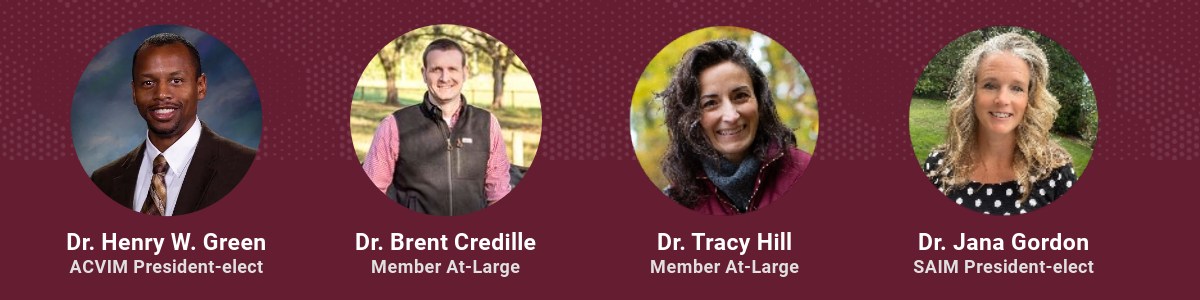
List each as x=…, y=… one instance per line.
x=444, y=75
x=166, y=88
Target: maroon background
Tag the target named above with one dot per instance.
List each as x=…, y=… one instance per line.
x=593, y=213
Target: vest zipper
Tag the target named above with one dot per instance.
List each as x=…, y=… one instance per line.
x=758, y=182
x=449, y=176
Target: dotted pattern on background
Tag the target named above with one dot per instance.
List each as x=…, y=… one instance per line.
x=863, y=58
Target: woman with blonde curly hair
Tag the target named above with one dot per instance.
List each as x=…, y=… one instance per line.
x=998, y=157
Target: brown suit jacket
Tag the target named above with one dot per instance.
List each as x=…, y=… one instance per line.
x=217, y=167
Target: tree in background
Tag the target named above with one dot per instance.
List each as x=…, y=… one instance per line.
x=500, y=56
x=390, y=56
x=481, y=48
x=938, y=76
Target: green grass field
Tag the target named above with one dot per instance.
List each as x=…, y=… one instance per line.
x=527, y=122
x=927, y=127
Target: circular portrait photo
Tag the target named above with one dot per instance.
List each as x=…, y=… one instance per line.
x=724, y=121
x=1003, y=121
x=446, y=120
x=166, y=120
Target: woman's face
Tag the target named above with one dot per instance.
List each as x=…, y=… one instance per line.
x=729, y=109
x=1001, y=94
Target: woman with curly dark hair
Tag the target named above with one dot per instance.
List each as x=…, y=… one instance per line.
x=729, y=153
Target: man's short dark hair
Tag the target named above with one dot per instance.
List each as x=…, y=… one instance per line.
x=443, y=45
x=163, y=39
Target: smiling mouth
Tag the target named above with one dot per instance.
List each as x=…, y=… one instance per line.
x=1001, y=115
x=163, y=114
x=729, y=132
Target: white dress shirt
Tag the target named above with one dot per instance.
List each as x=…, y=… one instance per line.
x=179, y=157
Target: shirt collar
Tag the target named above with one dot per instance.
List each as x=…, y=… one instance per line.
x=179, y=153
x=435, y=108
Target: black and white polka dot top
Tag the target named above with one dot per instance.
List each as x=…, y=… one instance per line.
x=1003, y=198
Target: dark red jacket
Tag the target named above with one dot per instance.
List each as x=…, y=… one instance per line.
x=778, y=173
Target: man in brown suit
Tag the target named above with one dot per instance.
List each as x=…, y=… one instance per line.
x=183, y=166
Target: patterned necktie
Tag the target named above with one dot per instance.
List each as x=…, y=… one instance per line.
x=156, y=200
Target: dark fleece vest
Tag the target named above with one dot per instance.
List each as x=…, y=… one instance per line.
x=441, y=171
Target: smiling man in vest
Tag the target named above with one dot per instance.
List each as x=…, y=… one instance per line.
x=443, y=156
